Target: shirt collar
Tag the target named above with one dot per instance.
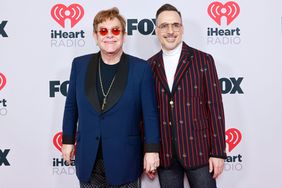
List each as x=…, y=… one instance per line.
x=173, y=52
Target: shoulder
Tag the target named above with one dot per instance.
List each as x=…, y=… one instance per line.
x=134, y=59
x=139, y=67
x=196, y=53
x=200, y=53
x=155, y=57
x=200, y=57
x=137, y=62
x=84, y=58
x=81, y=62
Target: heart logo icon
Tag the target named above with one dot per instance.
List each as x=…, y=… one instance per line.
x=57, y=141
x=60, y=13
x=217, y=10
x=234, y=137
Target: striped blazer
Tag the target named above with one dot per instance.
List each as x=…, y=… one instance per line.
x=191, y=115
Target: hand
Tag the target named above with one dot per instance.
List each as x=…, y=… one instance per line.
x=151, y=162
x=68, y=152
x=216, y=165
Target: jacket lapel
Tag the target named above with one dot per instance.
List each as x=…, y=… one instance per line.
x=160, y=71
x=118, y=85
x=183, y=64
x=90, y=82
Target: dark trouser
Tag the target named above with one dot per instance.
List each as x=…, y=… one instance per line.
x=172, y=177
x=98, y=179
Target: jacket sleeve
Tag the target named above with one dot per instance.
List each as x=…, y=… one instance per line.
x=215, y=110
x=70, y=113
x=149, y=110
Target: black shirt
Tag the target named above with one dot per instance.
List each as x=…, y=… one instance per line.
x=107, y=74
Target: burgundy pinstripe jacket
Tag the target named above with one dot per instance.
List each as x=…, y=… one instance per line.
x=191, y=115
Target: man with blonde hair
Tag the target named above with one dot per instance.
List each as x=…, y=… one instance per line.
x=109, y=93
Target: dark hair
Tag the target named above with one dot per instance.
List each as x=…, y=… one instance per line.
x=108, y=14
x=167, y=7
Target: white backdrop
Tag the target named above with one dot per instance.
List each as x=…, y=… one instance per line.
x=34, y=66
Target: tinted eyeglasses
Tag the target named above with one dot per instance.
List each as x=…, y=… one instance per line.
x=164, y=27
x=104, y=31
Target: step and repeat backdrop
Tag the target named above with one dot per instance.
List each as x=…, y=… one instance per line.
x=39, y=39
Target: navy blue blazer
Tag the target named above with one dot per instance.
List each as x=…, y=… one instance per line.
x=131, y=99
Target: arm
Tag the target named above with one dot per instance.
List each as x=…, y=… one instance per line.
x=151, y=123
x=215, y=117
x=70, y=118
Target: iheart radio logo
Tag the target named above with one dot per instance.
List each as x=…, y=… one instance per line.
x=60, y=13
x=2, y=81
x=234, y=137
x=57, y=141
x=217, y=10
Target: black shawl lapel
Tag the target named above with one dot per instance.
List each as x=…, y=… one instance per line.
x=90, y=82
x=117, y=88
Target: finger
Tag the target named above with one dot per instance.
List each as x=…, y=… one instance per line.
x=71, y=155
x=151, y=175
x=216, y=173
x=210, y=166
x=67, y=159
x=148, y=167
x=145, y=164
x=66, y=156
x=158, y=163
x=219, y=171
x=152, y=168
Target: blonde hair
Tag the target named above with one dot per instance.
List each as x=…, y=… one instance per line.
x=104, y=15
